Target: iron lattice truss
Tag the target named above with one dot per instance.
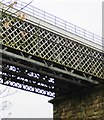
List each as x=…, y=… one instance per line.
x=13, y=74
x=36, y=41
x=56, y=64
x=37, y=77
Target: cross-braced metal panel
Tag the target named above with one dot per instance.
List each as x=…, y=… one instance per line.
x=32, y=77
x=34, y=40
x=27, y=80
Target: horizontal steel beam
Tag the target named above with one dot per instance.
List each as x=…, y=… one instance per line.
x=51, y=68
x=24, y=86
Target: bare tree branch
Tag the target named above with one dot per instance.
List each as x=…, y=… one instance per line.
x=8, y=93
x=3, y=90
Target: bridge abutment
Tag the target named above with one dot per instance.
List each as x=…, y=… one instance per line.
x=85, y=105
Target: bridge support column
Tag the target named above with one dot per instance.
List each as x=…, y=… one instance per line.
x=82, y=105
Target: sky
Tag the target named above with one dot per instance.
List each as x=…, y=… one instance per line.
x=86, y=14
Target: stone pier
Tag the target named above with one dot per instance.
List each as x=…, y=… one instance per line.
x=85, y=105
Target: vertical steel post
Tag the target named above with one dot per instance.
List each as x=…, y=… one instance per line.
x=103, y=34
x=103, y=24
x=0, y=33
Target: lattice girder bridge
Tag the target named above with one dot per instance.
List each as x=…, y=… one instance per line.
x=41, y=60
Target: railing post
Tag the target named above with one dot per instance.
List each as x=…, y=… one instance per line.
x=84, y=32
x=55, y=20
x=65, y=26
x=21, y=4
x=93, y=38
x=44, y=15
x=33, y=11
x=75, y=29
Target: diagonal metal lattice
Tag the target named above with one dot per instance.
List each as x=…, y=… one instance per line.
x=36, y=41
x=27, y=80
x=32, y=77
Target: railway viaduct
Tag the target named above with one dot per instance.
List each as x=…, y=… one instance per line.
x=44, y=54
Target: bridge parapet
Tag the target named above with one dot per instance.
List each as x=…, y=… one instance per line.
x=36, y=15
x=67, y=56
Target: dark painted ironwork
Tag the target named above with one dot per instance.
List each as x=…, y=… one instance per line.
x=41, y=61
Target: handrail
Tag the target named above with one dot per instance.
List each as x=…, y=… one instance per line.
x=58, y=22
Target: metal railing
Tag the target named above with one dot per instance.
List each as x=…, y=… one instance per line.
x=56, y=21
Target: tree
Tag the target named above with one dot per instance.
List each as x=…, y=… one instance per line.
x=4, y=103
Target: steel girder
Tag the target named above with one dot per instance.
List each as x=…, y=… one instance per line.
x=41, y=61
x=33, y=40
x=42, y=77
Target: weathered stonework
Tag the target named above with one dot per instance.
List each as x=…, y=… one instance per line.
x=83, y=105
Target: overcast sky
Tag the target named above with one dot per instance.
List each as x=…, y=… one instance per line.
x=84, y=13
